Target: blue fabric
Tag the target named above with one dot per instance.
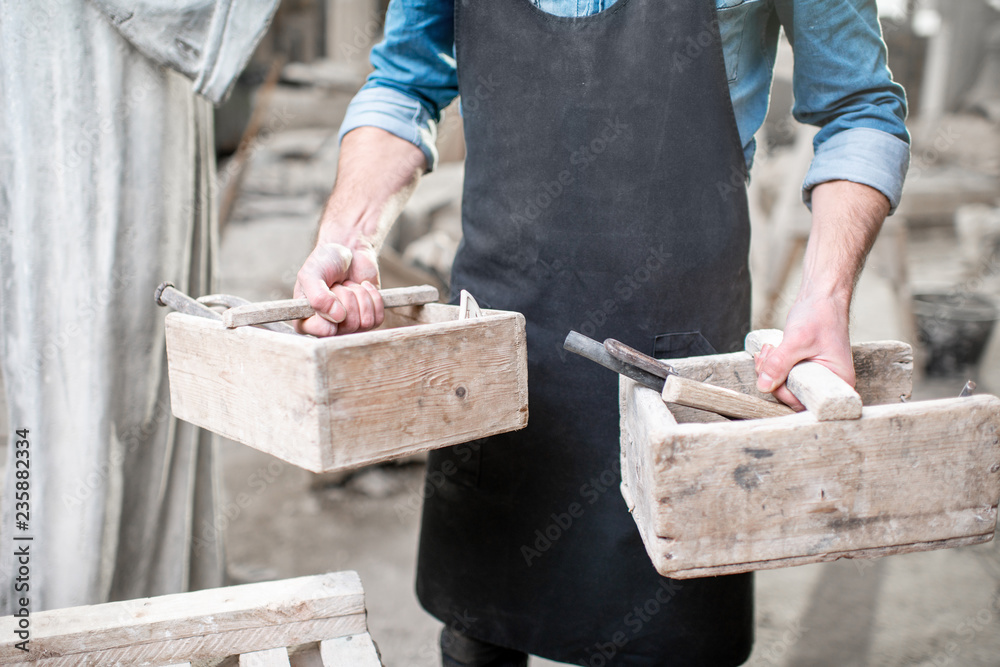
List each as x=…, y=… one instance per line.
x=841, y=82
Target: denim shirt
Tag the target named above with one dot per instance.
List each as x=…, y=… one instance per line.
x=840, y=83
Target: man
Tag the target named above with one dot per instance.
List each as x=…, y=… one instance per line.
x=107, y=169
x=602, y=143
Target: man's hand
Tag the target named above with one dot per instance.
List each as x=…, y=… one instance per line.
x=376, y=173
x=846, y=219
x=814, y=331
x=353, y=303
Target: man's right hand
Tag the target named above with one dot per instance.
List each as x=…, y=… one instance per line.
x=341, y=284
x=376, y=173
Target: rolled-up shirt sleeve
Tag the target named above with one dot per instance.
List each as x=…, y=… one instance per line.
x=414, y=77
x=863, y=155
x=843, y=86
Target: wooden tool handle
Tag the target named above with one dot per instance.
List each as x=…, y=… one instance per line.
x=694, y=394
x=823, y=393
x=720, y=400
x=296, y=309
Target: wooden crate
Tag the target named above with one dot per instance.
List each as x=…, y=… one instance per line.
x=316, y=620
x=424, y=380
x=714, y=497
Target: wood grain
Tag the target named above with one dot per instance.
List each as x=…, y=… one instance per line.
x=717, y=498
x=295, y=309
x=884, y=371
x=203, y=624
x=342, y=402
x=822, y=392
x=719, y=400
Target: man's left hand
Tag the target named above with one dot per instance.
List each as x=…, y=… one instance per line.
x=846, y=219
x=816, y=330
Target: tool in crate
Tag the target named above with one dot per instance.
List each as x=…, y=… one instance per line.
x=433, y=375
x=712, y=496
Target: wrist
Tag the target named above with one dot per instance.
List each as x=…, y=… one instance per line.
x=352, y=231
x=836, y=290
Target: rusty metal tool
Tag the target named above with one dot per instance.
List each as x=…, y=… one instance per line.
x=673, y=388
x=169, y=296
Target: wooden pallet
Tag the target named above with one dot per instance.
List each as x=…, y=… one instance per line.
x=317, y=620
x=715, y=497
x=426, y=379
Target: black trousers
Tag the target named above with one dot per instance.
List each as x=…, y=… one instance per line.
x=458, y=650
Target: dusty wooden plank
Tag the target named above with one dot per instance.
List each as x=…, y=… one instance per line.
x=636, y=405
x=214, y=622
x=437, y=385
x=884, y=371
x=353, y=651
x=209, y=647
x=272, y=657
x=240, y=386
x=862, y=554
x=334, y=403
x=295, y=309
x=431, y=313
x=727, y=402
x=820, y=389
x=795, y=488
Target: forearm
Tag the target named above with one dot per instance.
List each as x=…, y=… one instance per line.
x=376, y=174
x=846, y=219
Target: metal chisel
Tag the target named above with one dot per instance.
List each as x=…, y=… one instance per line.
x=662, y=378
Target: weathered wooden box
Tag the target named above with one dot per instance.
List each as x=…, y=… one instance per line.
x=714, y=497
x=424, y=380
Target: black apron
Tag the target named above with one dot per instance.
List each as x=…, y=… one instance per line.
x=604, y=192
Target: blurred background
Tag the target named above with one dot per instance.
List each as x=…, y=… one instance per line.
x=933, y=280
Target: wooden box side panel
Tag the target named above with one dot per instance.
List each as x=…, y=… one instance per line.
x=417, y=388
x=255, y=387
x=791, y=487
x=884, y=371
x=640, y=438
x=431, y=313
x=864, y=554
x=408, y=316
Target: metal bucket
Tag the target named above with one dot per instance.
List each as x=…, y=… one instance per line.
x=954, y=328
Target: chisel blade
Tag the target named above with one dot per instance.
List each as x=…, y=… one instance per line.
x=589, y=348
